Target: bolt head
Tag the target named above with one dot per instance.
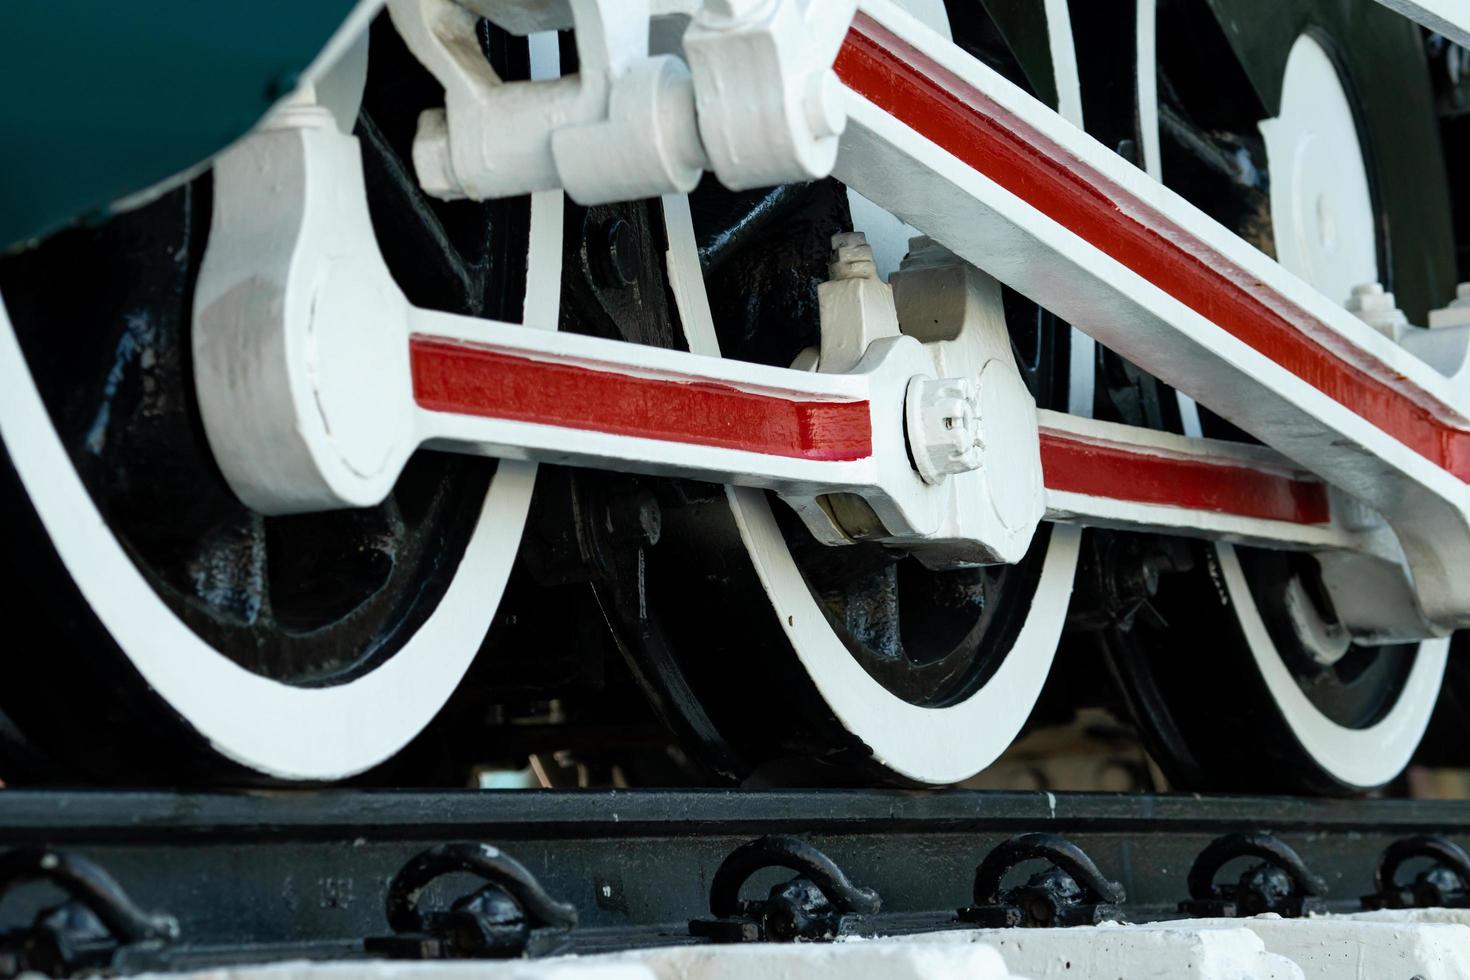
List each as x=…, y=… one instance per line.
x=1371, y=298
x=1378, y=308
x=948, y=440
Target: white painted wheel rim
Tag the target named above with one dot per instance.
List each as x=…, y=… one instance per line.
x=1358, y=757
x=927, y=745
x=1315, y=123
x=277, y=729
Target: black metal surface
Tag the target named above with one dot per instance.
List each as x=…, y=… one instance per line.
x=270, y=875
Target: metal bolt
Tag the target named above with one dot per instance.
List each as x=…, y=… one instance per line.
x=1457, y=313
x=1041, y=910
x=943, y=426
x=1369, y=296
x=612, y=253
x=1378, y=308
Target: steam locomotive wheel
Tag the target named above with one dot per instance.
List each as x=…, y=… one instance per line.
x=783, y=660
x=1311, y=132
x=198, y=639
x=932, y=673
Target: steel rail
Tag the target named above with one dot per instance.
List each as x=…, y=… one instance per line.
x=261, y=876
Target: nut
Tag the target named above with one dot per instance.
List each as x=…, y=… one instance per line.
x=943, y=426
x=1378, y=308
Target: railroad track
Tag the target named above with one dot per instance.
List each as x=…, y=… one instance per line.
x=266, y=876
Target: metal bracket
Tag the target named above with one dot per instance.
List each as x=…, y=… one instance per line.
x=621, y=129
x=92, y=931
x=1071, y=891
x=511, y=916
x=1445, y=884
x=820, y=903
x=969, y=423
x=1281, y=883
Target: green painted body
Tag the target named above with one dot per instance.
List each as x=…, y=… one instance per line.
x=104, y=100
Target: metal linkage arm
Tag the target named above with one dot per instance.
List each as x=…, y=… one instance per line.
x=1102, y=474
x=751, y=96
x=950, y=146
x=503, y=390
x=317, y=380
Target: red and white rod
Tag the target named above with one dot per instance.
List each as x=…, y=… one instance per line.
x=506, y=391
x=317, y=379
x=578, y=400
x=1001, y=180
x=366, y=379
x=1102, y=474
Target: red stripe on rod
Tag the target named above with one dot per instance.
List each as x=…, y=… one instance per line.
x=1127, y=473
x=464, y=379
x=962, y=120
